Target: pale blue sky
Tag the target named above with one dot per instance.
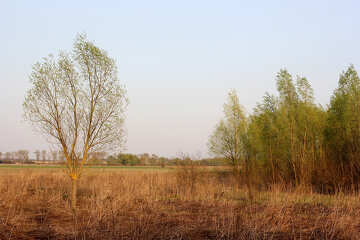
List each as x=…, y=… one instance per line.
x=178, y=59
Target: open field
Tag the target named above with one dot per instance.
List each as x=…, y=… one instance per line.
x=177, y=204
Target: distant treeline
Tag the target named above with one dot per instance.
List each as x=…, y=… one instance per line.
x=127, y=159
x=290, y=139
x=102, y=158
x=23, y=156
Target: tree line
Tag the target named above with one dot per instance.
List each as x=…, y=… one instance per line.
x=103, y=158
x=290, y=139
x=146, y=159
x=23, y=156
x=44, y=156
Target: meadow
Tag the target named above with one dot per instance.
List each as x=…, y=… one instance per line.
x=166, y=203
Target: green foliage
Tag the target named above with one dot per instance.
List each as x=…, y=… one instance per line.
x=291, y=140
x=287, y=130
x=125, y=159
x=343, y=126
x=78, y=103
x=229, y=137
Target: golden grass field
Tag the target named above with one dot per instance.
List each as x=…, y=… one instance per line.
x=155, y=203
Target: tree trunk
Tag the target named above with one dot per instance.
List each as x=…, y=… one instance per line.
x=249, y=188
x=248, y=179
x=73, y=193
x=272, y=165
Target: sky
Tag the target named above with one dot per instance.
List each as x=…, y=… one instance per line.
x=178, y=59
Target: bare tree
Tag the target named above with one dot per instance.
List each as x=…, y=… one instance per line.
x=144, y=158
x=54, y=155
x=22, y=155
x=13, y=156
x=0, y=155
x=37, y=155
x=61, y=156
x=77, y=101
x=8, y=156
x=43, y=155
x=97, y=156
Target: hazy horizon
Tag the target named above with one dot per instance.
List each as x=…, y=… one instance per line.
x=178, y=60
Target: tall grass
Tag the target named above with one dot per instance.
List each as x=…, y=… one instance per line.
x=189, y=203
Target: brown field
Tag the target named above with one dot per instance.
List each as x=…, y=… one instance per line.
x=172, y=204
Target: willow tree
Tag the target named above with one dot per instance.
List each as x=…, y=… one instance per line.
x=230, y=138
x=343, y=127
x=265, y=134
x=76, y=100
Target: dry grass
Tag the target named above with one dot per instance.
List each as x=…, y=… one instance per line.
x=184, y=204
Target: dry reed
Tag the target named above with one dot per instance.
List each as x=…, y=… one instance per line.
x=184, y=204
